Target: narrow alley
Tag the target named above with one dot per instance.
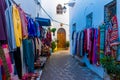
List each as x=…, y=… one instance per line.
x=62, y=66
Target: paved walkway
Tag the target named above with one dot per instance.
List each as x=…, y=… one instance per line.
x=62, y=66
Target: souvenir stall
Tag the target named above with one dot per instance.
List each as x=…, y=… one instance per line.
x=20, y=42
x=93, y=44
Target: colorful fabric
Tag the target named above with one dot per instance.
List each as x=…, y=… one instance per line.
x=28, y=54
x=10, y=28
x=3, y=35
x=7, y=56
x=114, y=31
x=98, y=50
x=17, y=26
x=24, y=23
x=31, y=27
x=5, y=66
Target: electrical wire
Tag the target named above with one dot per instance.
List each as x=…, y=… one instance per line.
x=49, y=15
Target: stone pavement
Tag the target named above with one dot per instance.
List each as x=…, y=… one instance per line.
x=62, y=66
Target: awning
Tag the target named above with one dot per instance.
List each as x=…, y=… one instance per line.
x=43, y=21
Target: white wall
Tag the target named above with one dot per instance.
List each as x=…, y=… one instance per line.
x=50, y=7
x=29, y=7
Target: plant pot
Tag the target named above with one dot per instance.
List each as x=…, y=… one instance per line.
x=113, y=77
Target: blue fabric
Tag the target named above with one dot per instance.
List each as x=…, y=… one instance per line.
x=9, y=26
x=43, y=21
x=10, y=29
x=37, y=29
x=28, y=54
x=31, y=27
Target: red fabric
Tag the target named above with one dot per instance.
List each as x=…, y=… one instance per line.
x=114, y=31
x=98, y=49
x=7, y=56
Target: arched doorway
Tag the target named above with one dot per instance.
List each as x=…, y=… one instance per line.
x=61, y=37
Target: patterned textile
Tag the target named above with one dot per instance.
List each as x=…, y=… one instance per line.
x=5, y=66
x=114, y=31
x=7, y=56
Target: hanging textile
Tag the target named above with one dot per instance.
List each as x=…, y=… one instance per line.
x=18, y=61
x=3, y=35
x=78, y=45
x=5, y=66
x=98, y=46
x=28, y=54
x=49, y=38
x=24, y=23
x=17, y=26
x=31, y=27
x=114, y=30
x=10, y=28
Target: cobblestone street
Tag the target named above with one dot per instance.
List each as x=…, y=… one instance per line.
x=62, y=66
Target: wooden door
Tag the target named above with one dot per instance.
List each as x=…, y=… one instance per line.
x=61, y=37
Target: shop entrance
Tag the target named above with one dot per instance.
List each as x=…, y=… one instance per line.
x=61, y=37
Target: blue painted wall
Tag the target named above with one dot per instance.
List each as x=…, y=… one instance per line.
x=78, y=15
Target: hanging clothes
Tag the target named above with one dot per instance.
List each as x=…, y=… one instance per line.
x=10, y=29
x=5, y=66
x=17, y=26
x=31, y=27
x=37, y=29
x=49, y=38
x=85, y=40
x=114, y=30
x=7, y=56
x=81, y=43
x=24, y=23
x=78, y=45
x=18, y=62
x=3, y=35
x=28, y=54
x=98, y=48
x=94, y=56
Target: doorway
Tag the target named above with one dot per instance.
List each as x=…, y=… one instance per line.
x=61, y=37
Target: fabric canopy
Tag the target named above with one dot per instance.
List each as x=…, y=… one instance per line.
x=43, y=21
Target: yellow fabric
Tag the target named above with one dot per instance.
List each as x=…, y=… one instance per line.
x=17, y=26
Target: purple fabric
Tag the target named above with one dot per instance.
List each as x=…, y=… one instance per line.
x=3, y=35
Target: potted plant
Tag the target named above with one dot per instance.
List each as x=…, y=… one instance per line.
x=53, y=45
x=53, y=31
x=112, y=68
x=67, y=44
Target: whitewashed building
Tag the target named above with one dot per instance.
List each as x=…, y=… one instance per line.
x=54, y=9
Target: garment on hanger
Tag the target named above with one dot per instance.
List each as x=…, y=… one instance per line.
x=3, y=35
x=18, y=62
x=10, y=29
x=17, y=26
x=31, y=27
x=6, y=75
x=28, y=54
x=24, y=23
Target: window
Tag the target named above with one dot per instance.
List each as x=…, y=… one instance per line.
x=89, y=18
x=59, y=9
